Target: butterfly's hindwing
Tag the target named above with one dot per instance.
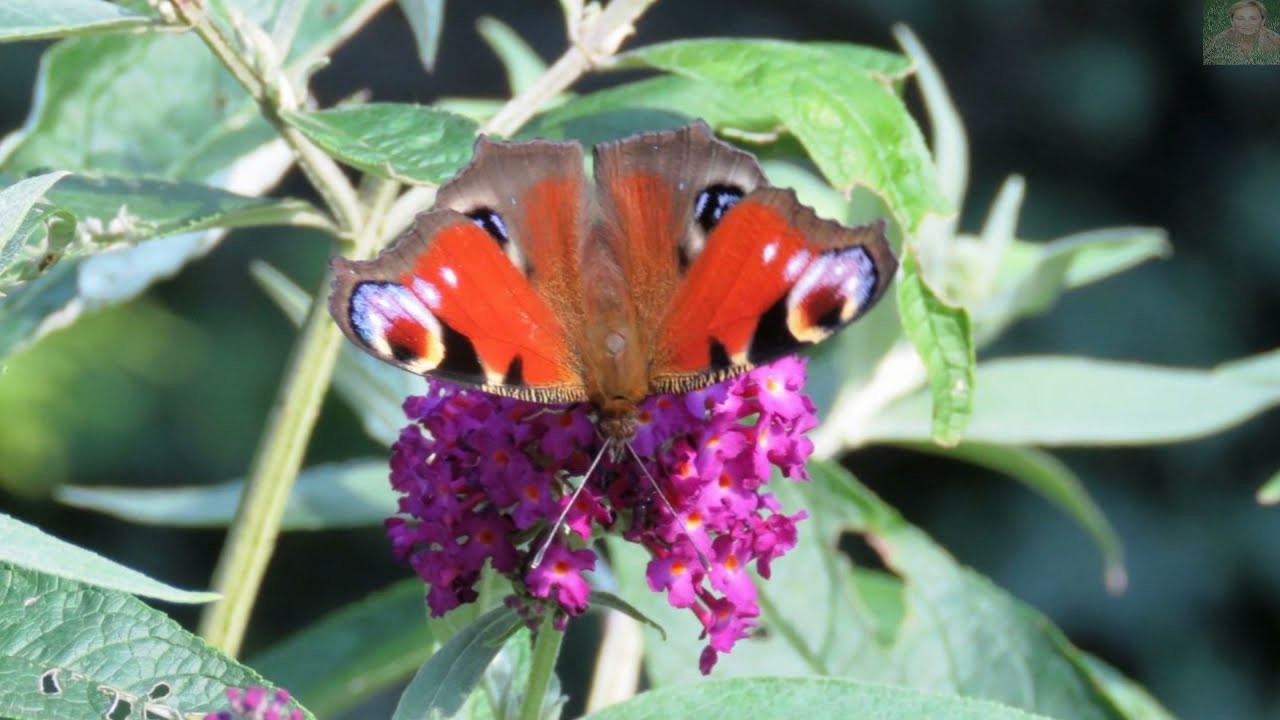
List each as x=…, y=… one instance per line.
x=772, y=279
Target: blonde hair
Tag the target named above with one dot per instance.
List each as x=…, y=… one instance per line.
x=1231, y=11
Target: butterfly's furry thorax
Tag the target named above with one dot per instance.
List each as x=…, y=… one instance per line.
x=678, y=267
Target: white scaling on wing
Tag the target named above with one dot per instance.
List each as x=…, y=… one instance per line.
x=849, y=272
x=449, y=276
x=407, y=303
x=376, y=307
x=429, y=293
x=796, y=265
x=770, y=252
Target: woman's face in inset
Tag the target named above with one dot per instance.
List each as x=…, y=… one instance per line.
x=1246, y=20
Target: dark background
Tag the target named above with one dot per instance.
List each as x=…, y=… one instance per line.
x=1103, y=106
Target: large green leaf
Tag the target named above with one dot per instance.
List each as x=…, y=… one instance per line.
x=800, y=698
x=158, y=105
x=338, y=495
x=72, y=652
x=25, y=546
x=934, y=625
x=108, y=213
x=658, y=103
x=42, y=19
x=1031, y=276
x=1051, y=478
x=161, y=104
x=374, y=390
x=355, y=652
x=443, y=684
x=943, y=338
x=839, y=101
x=1057, y=400
x=409, y=143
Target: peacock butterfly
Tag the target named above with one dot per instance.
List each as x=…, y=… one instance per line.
x=681, y=268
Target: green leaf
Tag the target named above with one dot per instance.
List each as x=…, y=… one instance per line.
x=1130, y=697
x=1269, y=493
x=1031, y=276
x=607, y=599
x=1057, y=400
x=506, y=680
x=71, y=652
x=802, y=698
x=1052, y=479
x=374, y=390
x=426, y=20
x=26, y=546
x=444, y=682
x=16, y=236
x=162, y=104
x=338, y=495
x=409, y=143
x=354, y=652
x=43, y=19
x=114, y=213
x=839, y=101
x=1263, y=368
x=659, y=103
x=521, y=62
x=933, y=625
x=950, y=142
x=158, y=105
x=944, y=341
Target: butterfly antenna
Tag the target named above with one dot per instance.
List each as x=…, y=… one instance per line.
x=555, y=529
x=701, y=558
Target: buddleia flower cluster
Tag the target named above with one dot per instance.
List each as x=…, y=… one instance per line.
x=483, y=478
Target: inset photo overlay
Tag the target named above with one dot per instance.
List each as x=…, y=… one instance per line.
x=1240, y=33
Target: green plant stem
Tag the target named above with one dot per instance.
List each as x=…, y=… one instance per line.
x=320, y=169
x=597, y=38
x=252, y=536
x=546, y=648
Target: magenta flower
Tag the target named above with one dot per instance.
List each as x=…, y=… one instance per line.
x=256, y=703
x=483, y=478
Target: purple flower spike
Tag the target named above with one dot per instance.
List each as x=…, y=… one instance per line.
x=256, y=703
x=483, y=478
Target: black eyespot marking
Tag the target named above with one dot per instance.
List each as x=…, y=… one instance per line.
x=515, y=372
x=491, y=222
x=719, y=355
x=460, y=358
x=825, y=310
x=402, y=353
x=712, y=203
x=772, y=338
